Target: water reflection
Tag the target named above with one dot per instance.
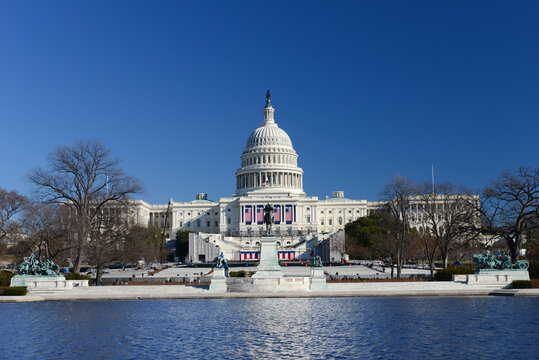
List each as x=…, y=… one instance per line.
x=395, y=328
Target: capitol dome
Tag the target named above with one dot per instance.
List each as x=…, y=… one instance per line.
x=267, y=135
x=269, y=161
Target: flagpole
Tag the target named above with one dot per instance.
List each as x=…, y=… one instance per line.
x=433, y=178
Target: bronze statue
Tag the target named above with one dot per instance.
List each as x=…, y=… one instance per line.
x=268, y=216
x=32, y=266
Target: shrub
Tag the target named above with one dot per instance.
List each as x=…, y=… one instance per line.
x=522, y=284
x=447, y=274
x=5, y=278
x=13, y=291
x=240, y=273
x=533, y=270
x=76, y=276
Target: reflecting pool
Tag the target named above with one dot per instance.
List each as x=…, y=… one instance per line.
x=306, y=328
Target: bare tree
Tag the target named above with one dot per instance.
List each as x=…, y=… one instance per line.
x=108, y=235
x=397, y=194
x=85, y=178
x=144, y=243
x=510, y=207
x=450, y=215
x=11, y=205
x=48, y=229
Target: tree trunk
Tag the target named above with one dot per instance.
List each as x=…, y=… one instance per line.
x=399, y=265
x=78, y=261
x=431, y=267
x=392, y=270
x=445, y=257
x=99, y=275
x=513, y=249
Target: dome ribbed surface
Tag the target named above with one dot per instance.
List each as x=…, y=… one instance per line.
x=267, y=135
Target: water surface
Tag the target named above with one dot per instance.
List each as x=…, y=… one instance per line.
x=308, y=328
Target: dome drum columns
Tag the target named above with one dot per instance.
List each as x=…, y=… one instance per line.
x=262, y=179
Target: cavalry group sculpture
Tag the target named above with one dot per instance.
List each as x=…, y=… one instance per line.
x=32, y=266
x=498, y=262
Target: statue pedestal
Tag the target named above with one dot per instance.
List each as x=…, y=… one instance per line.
x=269, y=267
x=317, y=280
x=492, y=277
x=218, y=280
x=23, y=280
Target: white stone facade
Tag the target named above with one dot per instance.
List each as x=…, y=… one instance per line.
x=269, y=173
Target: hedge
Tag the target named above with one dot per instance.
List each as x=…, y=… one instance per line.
x=447, y=274
x=522, y=284
x=5, y=278
x=240, y=273
x=13, y=291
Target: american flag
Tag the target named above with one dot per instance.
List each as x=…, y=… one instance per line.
x=277, y=214
x=248, y=214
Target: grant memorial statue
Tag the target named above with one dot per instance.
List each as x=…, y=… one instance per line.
x=32, y=269
x=269, y=261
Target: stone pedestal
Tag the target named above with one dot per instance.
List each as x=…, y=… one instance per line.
x=317, y=280
x=269, y=267
x=23, y=280
x=515, y=274
x=492, y=277
x=218, y=280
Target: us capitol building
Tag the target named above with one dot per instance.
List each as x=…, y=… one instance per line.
x=269, y=173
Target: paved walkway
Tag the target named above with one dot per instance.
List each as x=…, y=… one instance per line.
x=355, y=271
x=134, y=292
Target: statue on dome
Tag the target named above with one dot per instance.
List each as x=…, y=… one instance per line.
x=268, y=218
x=268, y=95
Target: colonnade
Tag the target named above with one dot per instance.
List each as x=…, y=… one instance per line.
x=270, y=178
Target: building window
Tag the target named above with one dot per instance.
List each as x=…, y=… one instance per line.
x=188, y=224
x=330, y=212
x=228, y=210
x=216, y=224
x=228, y=220
x=198, y=222
x=189, y=213
x=308, y=219
x=207, y=223
x=349, y=211
x=340, y=221
x=322, y=222
x=308, y=208
x=216, y=213
x=181, y=223
x=330, y=222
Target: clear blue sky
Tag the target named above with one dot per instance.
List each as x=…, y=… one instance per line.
x=365, y=89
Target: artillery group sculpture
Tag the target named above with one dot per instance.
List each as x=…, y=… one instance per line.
x=498, y=262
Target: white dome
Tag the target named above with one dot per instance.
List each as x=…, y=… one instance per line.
x=269, y=163
x=267, y=135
